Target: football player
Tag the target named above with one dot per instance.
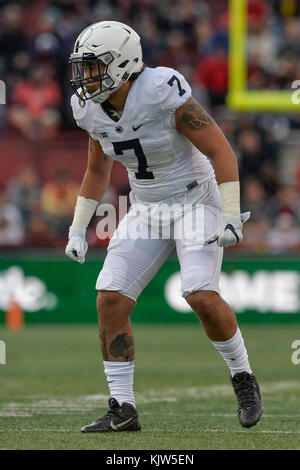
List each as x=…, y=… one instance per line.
x=147, y=119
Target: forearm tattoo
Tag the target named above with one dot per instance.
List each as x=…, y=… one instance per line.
x=122, y=346
x=192, y=116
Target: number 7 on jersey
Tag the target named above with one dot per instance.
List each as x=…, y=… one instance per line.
x=173, y=79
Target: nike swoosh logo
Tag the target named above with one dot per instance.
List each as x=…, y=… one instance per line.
x=212, y=241
x=137, y=127
x=116, y=427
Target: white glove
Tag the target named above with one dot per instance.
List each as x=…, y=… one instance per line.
x=77, y=245
x=230, y=230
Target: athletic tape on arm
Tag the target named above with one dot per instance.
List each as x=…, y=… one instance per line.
x=230, y=193
x=84, y=211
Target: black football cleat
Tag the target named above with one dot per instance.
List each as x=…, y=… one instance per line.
x=117, y=419
x=249, y=398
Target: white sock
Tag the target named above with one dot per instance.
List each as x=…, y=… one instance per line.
x=234, y=353
x=120, y=380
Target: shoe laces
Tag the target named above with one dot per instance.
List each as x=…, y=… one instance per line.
x=113, y=412
x=246, y=394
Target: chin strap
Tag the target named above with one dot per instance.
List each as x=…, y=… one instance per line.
x=101, y=97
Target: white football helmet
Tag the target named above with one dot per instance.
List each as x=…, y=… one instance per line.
x=113, y=44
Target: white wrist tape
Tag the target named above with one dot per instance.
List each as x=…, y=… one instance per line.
x=84, y=211
x=230, y=193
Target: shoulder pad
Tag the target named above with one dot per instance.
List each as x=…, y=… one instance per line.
x=82, y=112
x=164, y=90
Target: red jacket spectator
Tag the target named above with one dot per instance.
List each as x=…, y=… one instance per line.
x=212, y=73
x=37, y=93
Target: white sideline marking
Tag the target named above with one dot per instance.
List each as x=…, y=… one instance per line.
x=159, y=431
x=266, y=431
x=38, y=430
x=90, y=403
x=216, y=415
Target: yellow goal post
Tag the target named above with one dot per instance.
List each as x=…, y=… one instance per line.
x=239, y=97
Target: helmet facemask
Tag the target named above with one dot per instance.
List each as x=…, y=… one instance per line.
x=88, y=69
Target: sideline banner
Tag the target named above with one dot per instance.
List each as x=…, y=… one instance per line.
x=50, y=289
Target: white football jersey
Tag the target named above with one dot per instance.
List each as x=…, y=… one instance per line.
x=160, y=161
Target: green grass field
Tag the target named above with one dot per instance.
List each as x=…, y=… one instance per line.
x=53, y=384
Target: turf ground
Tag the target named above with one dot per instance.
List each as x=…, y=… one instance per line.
x=53, y=384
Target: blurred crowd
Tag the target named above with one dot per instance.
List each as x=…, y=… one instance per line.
x=36, y=38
